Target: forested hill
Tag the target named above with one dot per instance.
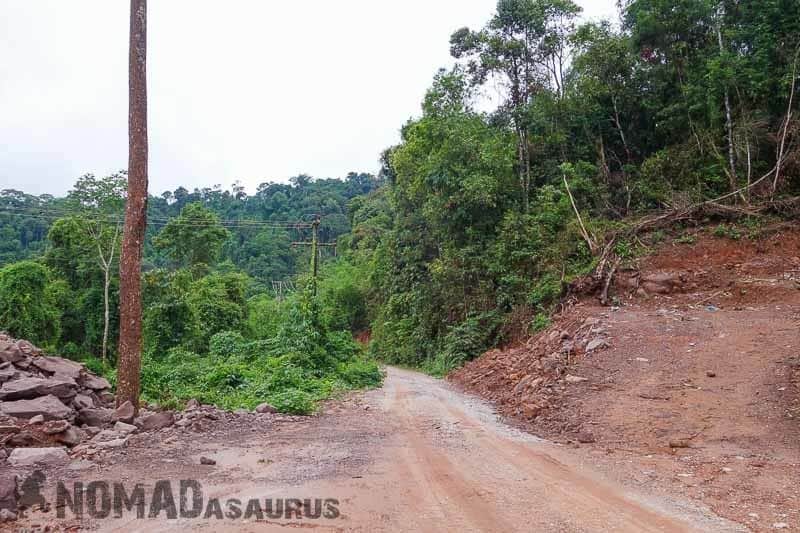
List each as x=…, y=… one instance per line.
x=264, y=252
x=483, y=218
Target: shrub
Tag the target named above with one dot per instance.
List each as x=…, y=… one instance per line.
x=28, y=307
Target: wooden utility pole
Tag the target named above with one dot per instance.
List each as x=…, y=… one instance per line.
x=130, y=265
x=315, y=252
x=315, y=246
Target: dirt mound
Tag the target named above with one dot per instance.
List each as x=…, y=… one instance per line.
x=692, y=383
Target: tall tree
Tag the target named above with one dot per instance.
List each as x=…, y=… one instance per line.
x=130, y=328
x=101, y=201
x=525, y=45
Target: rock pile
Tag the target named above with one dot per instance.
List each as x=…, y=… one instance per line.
x=52, y=409
x=43, y=399
x=50, y=402
x=524, y=381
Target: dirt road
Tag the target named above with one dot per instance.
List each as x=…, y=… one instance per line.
x=413, y=456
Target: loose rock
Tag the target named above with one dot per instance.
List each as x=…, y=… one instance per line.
x=265, y=408
x=125, y=412
x=125, y=429
x=96, y=417
x=48, y=406
x=34, y=456
x=157, y=421
x=8, y=493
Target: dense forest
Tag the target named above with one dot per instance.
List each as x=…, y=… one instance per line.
x=477, y=223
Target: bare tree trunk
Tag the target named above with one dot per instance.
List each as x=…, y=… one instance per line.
x=105, y=313
x=621, y=131
x=728, y=123
x=523, y=167
x=130, y=265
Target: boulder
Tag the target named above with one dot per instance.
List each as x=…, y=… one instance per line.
x=91, y=430
x=33, y=456
x=107, y=435
x=90, y=381
x=55, y=427
x=124, y=429
x=48, y=406
x=596, y=344
x=27, y=348
x=106, y=397
x=265, y=408
x=58, y=366
x=8, y=492
x=125, y=412
x=28, y=388
x=26, y=438
x=82, y=401
x=96, y=417
x=157, y=421
x=192, y=404
x=38, y=419
x=71, y=437
x=10, y=353
x=7, y=374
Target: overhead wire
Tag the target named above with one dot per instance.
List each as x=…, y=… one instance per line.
x=50, y=214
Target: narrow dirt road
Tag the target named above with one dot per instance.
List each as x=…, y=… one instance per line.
x=413, y=456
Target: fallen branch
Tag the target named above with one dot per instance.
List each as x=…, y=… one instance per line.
x=589, y=240
x=609, y=279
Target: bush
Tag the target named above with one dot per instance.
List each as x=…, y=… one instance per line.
x=293, y=401
x=303, y=364
x=28, y=307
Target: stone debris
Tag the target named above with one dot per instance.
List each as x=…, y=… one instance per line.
x=525, y=380
x=50, y=405
x=38, y=456
x=53, y=411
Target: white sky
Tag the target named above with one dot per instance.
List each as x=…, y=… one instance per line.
x=254, y=90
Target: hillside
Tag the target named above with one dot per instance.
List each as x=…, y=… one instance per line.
x=691, y=384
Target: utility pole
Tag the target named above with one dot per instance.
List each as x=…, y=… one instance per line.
x=315, y=246
x=314, y=252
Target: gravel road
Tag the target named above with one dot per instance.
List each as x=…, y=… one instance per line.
x=415, y=455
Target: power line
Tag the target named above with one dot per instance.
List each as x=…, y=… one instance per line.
x=43, y=214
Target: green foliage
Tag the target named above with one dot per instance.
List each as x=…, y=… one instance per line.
x=343, y=297
x=28, y=303
x=292, y=371
x=540, y=322
x=194, y=238
x=728, y=231
x=468, y=226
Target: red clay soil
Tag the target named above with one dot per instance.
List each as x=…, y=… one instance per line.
x=690, y=385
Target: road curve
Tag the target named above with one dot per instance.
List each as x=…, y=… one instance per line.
x=415, y=455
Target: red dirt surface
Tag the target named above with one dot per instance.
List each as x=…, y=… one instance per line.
x=693, y=385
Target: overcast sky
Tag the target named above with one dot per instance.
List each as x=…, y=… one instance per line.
x=254, y=90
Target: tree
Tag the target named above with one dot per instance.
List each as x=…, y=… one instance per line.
x=526, y=45
x=130, y=267
x=194, y=238
x=101, y=202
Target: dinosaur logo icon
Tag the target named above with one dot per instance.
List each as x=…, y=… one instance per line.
x=31, y=492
